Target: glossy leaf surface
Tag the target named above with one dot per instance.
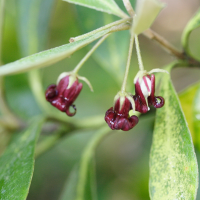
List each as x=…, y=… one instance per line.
x=108, y=6
x=17, y=164
x=173, y=164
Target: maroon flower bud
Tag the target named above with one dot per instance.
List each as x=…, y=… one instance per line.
x=144, y=94
x=118, y=118
x=64, y=94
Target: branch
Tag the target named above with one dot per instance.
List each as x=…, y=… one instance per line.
x=170, y=48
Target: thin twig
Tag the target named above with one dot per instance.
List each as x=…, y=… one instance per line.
x=164, y=43
x=170, y=48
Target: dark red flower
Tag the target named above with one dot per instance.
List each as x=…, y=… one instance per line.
x=63, y=95
x=118, y=118
x=144, y=94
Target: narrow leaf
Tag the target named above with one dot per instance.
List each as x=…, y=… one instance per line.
x=187, y=103
x=173, y=164
x=108, y=6
x=192, y=24
x=17, y=164
x=81, y=183
x=70, y=188
x=48, y=57
x=146, y=13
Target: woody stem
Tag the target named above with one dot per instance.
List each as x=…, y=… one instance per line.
x=77, y=68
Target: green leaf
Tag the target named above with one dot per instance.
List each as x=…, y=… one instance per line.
x=196, y=117
x=69, y=191
x=187, y=103
x=192, y=24
x=81, y=183
x=146, y=13
x=173, y=164
x=70, y=188
x=108, y=6
x=17, y=163
x=33, y=21
x=48, y=57
x=113, y=52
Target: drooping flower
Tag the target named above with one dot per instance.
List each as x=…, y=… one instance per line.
x=63, y=95
x=118, y=117
x=145, y=92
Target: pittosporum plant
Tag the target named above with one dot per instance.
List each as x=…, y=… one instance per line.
x=123, y=108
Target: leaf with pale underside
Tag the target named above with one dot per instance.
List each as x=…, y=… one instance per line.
x=17, y=163
x=146, y=13
x=173, y=164
x=49, y=57
x=108, y=6
x=192, y=24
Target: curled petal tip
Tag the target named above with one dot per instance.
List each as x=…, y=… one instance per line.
x=160, y=103
x=69, y=113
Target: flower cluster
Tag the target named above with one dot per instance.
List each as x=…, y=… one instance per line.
x=117, y=117
x=63, y=95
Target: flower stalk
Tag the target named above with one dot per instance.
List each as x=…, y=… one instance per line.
x=141, y=66
x=123, y=88
x=77, y=68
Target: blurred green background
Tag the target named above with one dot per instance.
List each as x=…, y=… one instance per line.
x=122, y=159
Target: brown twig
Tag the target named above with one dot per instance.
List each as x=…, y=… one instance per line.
x=170, y=48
